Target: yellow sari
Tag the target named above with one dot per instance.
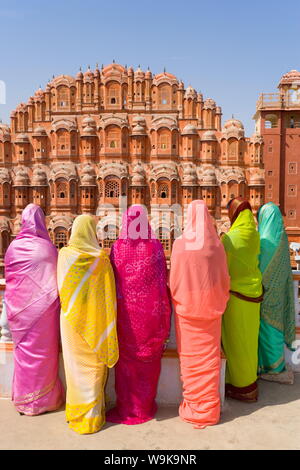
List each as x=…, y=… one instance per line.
x=240, y=325
x=88, y=325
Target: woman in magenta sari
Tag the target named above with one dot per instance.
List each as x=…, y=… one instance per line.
x=144, y=312
x=33, y=308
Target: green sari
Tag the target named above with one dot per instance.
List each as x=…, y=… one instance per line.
x=240, y=325
x=277, y=323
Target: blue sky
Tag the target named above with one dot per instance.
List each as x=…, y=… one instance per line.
x=229, y=50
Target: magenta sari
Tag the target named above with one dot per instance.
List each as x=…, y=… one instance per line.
x=143, y=320
x=33, y=308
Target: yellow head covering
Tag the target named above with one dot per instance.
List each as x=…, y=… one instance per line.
x=83, y=236
x=87, y=290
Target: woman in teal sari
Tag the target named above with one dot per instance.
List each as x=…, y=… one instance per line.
x=277, y=322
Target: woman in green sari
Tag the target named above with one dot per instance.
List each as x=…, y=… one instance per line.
x=240, y=325
x=277, y=313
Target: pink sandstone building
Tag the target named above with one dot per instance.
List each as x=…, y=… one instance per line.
x=85, y=143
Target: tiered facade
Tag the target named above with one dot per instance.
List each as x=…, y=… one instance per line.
x=84, y=144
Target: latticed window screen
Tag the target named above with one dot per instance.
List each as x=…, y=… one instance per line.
x=112, y=189
x=232, y=150
x=163, y=191
x=61, y=238
x=164, y=95
x=111, y=235
x=62, y=191
x=164, y=237
x=164, y=141
x=63, y=141
x=63, y=97
x=113, y=95
x=101, y=188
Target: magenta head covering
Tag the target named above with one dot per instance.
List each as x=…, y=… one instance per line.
x=135, y=225
x=33, y=223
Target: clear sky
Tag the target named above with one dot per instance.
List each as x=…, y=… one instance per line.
x=229, y=50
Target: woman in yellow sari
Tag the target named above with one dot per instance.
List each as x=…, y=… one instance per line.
x=240, y=326
x=88, y=325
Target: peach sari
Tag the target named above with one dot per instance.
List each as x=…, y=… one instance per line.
x=199, y=283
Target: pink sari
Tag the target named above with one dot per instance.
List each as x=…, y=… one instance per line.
x=144, y=312
x=33, y=309
x=199, y=283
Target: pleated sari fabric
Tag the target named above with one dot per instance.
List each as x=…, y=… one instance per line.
x=88, y=325
x=199, y=284
x=240, y=325
x=32, y=303
x=277, y=313
x=144, y=311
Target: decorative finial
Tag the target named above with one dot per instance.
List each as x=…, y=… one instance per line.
x=53, y=76
x=232, y=116
x=164, y=69
x=102, y=67
x=114, y=61
x=148, y=68
x=97, y=66
x=80, y=69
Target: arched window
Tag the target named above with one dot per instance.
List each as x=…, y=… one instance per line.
x=165, y=95
x=61, y=238
x=112, y=189
x=113, y=138
x=63, y=142
x=163, y=190
x=61, y=189
x=271, y=121
x=232, y=149
x=164, y=140
x=113, y=94
x=63, y=100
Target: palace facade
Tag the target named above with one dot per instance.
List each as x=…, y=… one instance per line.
x=83, y=144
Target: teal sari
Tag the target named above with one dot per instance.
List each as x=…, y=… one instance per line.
x=277, y=311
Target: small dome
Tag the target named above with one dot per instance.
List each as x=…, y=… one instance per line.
x=189, y=129
x=139, y=73
x=190, y=93
x=233, y=123
x=39, y=93
x=21, y=178
x=88, y=74
x=138, y=177
x=39, y=132
x=148, y=74
x=130, y=71
x=208, y=135
x=209, y=103
x=88, y=132
x=290, y=78
x=79, y=75
x=88, y=121
x=22, y=139
x=88, y=176
x=39, y=178
x=138, y=130
x=208, y=177
x=181, y=85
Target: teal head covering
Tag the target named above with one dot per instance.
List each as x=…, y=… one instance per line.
x=277, y=308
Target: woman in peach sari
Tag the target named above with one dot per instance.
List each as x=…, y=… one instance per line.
x=199, y=284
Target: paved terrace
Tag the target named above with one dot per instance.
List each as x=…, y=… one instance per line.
x=271, y=423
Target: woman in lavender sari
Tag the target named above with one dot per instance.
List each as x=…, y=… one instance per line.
x=33, y=309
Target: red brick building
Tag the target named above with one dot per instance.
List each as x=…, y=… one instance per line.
x=278, y=122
